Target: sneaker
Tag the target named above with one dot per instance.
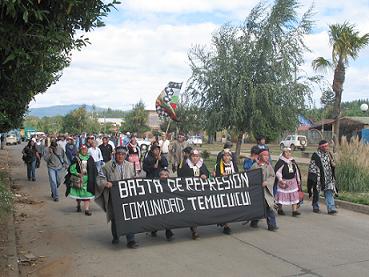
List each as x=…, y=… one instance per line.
x=273, y=228
x=317, y=211
x=115, y=241
x=296, y=213
x=132, y=244
x=227, y=230
x=169, y=235
x=154, y=234
x=56, y=199
x=332, y=212
x=88, y=213
x=254, y=224
x=281, y=212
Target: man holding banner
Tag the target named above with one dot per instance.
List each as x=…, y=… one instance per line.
x=114, y=171
x=268, y=183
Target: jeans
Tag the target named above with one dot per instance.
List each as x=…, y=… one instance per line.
x=54, y=179
x=130, y=237
x=31, y=170
x=270, y=218
x=315, y=201
x=329, y=200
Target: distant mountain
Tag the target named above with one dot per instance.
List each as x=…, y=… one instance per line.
x=59, y=110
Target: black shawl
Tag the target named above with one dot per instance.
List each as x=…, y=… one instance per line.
x=91, y=174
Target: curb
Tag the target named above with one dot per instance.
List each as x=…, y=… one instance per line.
x=359, y=208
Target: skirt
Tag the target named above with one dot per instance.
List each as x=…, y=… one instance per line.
x=133, y=158
x=81, y=193
x=288, y=195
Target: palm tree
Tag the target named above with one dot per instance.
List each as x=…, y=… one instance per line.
x=346, y=43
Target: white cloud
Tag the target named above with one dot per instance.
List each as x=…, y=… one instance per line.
x=125, y=64
x=135, y=58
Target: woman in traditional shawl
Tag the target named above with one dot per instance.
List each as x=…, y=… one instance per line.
x=194, y=167
x=225, y=167
x=81, y=180
x=288, y=182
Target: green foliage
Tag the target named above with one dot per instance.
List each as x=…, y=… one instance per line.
x=191, y=119
x=359, y=198
x=247, y=80
x=6, y=197
x=205, y=154
x=352, y=171
x=136, y=119
x=349, y=108
x=36, y=40
x=79, y=121
x=346, y=44
x=112, y=113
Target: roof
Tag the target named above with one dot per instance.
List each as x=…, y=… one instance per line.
x=322, y=122
x=356, y=119
x=360, y=119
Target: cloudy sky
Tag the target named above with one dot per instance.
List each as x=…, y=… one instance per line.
x=145, y=44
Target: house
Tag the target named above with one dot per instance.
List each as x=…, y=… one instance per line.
x=349, y=125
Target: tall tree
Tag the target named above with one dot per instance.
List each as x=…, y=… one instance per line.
x=135, y=121
x=36, y=40
x=247, y=80
x=346, y=43
x=78, y=121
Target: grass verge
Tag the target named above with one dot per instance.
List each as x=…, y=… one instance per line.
x=6, y=197
x=358, y=198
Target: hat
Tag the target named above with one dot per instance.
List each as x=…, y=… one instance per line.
x=83, y=146
x=187, y=149
x=323, y=142
x=228, y=144
x=120, y=150
x=227, y=151
x=154, y=146
x=263, y=150
x=255, y=150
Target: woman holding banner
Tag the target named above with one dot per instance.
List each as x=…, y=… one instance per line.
x=194, y=167
x=223, y=168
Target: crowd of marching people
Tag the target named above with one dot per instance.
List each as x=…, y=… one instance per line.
x=93, y=162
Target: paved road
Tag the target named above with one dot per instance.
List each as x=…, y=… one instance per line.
x=77, y=245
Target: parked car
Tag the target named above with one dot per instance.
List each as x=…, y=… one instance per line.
x=195, y=140
x=11, y=138
x=294, y=142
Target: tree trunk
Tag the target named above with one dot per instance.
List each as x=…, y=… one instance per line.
x=238, y=146
x=338, y=80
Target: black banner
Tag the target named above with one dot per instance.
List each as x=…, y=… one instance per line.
x=143, y=205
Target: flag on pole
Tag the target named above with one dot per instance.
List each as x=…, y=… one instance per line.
x=167, y=101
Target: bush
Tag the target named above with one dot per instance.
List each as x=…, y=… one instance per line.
x=6, y=197
x=205, y=154
x=352, y=169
